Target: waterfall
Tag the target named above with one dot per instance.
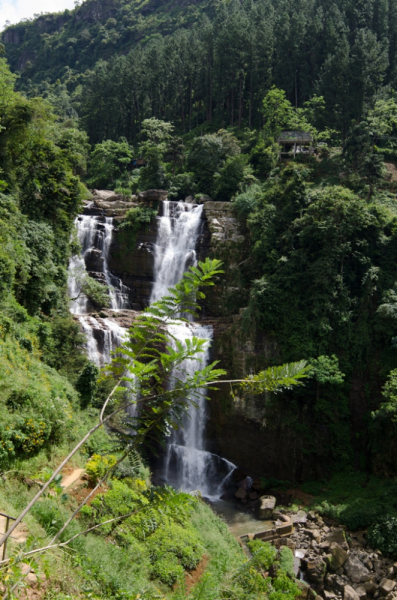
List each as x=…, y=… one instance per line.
x=187, y=464
x=102, y=334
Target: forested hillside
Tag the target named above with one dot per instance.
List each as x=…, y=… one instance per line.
x=194, y=63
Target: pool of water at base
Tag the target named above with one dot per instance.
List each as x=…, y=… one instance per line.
x=239, y=523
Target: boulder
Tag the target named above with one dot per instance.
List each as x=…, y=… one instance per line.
x=106, y=195
x=329, y=595
x=350, y=594
x=356, y=571
x=395, y=568
x=94, y=260
x=267, y=507
x=386, y=586
x=253, y=496
x=304, y=590
x=300, y=517
x=338, y=536
x=152, y=196
x=245, y=483
x=241, y=494
x=338, y=557
x=370, y=587
x=368, y=563
x=315, y=570
x=361, y=591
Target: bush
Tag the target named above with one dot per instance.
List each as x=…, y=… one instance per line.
x=171, y=545
x=263, y=553
x=86, y=384
x=287, y=561
x=97, y=466
x=383, y=535
x=167, y=569
x=52, y=518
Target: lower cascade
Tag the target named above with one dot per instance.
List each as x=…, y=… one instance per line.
x=187, y=465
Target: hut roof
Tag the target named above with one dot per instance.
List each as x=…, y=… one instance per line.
x=299, y=137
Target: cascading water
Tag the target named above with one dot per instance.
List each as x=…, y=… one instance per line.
x=102, y=335
x=187, y=464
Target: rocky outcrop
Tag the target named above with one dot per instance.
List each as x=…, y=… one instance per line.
x=223, y=239
x=151, y=196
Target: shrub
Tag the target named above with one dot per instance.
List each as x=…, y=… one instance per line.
x=263, y=553
x=97, y=466
x=167, y=569
x=287, y=561
x=382, y=535
x=51, y=518
x=283, y=588
x=172, y=545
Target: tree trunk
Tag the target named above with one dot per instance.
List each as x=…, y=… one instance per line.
x=240, y=106
x=182, y=111
x=232, y=115
x=190, y=107
x=250, y=111
x=210, y=106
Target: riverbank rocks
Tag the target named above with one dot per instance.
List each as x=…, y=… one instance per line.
x=350, y=594
x=266, y=508
x=356, y=570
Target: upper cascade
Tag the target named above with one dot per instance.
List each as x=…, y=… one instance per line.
x=175, y=248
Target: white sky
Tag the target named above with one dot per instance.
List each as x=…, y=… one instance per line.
x=15, y=10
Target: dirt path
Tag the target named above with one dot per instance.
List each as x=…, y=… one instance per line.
x=72, y=478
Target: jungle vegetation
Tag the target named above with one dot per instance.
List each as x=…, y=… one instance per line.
x=201, y=93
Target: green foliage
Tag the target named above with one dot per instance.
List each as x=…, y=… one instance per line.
x=156, y=135
x=36, y=405
x=181, y=186
x=264, y=554
x=231, y=176
x=286, y=560
x=108, y=162
x=355, y=499
x=325, y=369
x=86, y=384
x=388, y=409
x=278, y=114
x=264, y=157
x=172, y=549
x=97, y=292
x=383, y=535
x=98, y=465
x=275, y=379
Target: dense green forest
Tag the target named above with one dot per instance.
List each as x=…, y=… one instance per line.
x=201, y=92
x=197, y=63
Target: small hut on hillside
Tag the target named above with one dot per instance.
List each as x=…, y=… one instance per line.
x=295, y=142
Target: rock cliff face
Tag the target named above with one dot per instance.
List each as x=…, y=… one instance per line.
x=261, y=436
